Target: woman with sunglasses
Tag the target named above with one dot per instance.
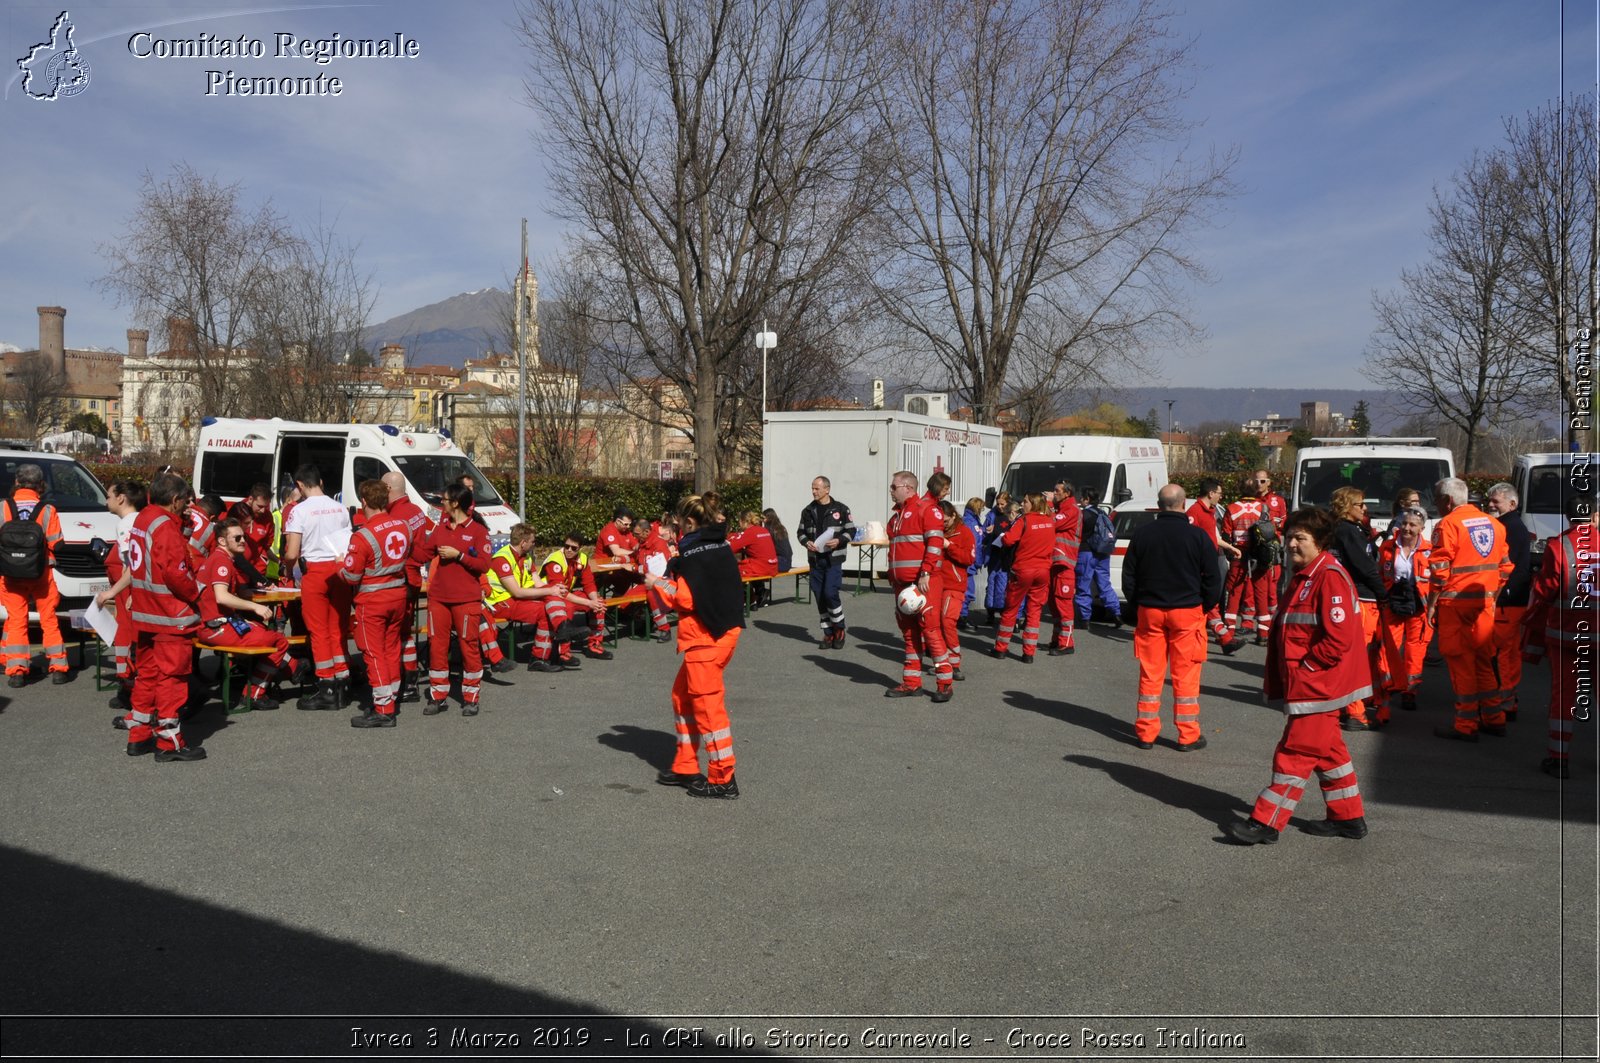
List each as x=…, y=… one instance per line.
x=229, y=618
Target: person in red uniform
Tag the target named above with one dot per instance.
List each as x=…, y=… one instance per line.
x=617, y=545
x=1560, y=623
x=916, y=558
x=654, y=554
x=1403, y=620
x=1170, y=581
x=704, y=588
x=254, y=514
x=202, y=516
x=1315, y=667
x=418, y=524
x=1064, y=567
x=375, y=568
x=515, y=593
x=124, y=500
x=455, y=599
x=1032, y=539
x=166, y=614
x=18, y=593
x=317, y=533
x=229, y=618
x=1252, y=587
x=960, y=551
x=1203, y=515
x=758, y=556
x=569, y=566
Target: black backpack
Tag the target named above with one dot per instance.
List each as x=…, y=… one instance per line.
x=24, y=553
x=1266, y=547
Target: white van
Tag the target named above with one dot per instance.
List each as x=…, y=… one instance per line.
x=1126, y=472
x=1543, y=482
x=1379, y=466
x=80, y=502
x=236, y=453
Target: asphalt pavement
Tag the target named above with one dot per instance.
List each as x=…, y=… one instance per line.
x=1005, y=875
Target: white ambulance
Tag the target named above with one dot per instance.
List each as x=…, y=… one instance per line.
x=236, y=453
x=1543, y=483
x=1379, y=466
x=1125, y=472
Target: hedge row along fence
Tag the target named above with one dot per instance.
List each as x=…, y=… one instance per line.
x=561, y=505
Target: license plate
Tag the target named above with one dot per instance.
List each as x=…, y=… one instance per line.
x=96, y=588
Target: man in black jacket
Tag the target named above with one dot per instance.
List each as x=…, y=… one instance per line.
x=1170, y=581
x=1509, y=607
x=828, y=520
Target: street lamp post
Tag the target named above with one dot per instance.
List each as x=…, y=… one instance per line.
x=1169, y=403
x=765, y=341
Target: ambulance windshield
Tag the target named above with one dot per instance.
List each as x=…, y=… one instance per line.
x=430, y=474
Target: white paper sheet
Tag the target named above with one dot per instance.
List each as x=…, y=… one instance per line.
x=656, y=565
x=102, y=620
x=828, y=539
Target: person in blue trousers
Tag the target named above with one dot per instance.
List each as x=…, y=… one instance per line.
x=997, y=556
x=1094, y=565
x=973, y=519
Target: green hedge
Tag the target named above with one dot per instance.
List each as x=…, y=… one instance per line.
x=560, y=505
x=110, y=474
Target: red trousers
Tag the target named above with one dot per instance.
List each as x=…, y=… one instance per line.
x=1252, y=596
x=1239, y=598
x=377, y=629
x=949, y=616
x=544, y=614
x=1405, y=643
x=408, y=634
x=1169, y=640
x=463, y=619
x=1310, y=743
x=1565, y=668
x=659, y=609
x=17, y=650
x=1466, y=640
x=1030, y=583
x=266, y=666
x=1063, y=588
x=700, y=711
x=924, y=633
x=164, y=663
x=122, y=645
x=1507, y=657
x=325, y=608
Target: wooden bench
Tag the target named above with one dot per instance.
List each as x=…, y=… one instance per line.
x=797, y=573
x=614, y=607
x=231, y=656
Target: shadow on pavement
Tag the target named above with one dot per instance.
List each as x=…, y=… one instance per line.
x=188, y=977
x=845, y=668
x=655, y=748
x=1213, y=806
x=1092, y=719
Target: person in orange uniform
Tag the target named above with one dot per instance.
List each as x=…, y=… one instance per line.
x=704, y=588
x=1470, y=563
x=1350, y=547
x=37, y=590
x=375, y=568
x=1501, y=500
x=1064, y=568
x=1403, y=622
x=317, y=532
x=960, y=551
x=1560, y=622
x=916, y=556
x=455, y=600
x=124, y=500
x=1170, y=581
x=1314, y=668
x=1203, y=515
x=757, y=554
x=1031, y=539
x=228, y=618
x=166, y=615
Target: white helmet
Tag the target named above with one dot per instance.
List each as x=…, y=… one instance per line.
x=911, y=601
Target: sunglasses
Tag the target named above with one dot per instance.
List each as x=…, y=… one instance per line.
x=569, y=548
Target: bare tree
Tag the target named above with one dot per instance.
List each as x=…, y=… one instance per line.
x=1554, y=162
x=1041, y=199
x=716, y=156
x=1453, y=340
x=35, y=395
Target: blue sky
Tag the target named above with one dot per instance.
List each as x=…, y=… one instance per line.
x=1345, y=116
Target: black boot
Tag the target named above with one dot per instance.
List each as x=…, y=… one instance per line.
x=408, y=689
x=326, y=699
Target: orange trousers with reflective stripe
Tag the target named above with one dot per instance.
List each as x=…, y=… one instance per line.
x=1169, y=640
x=1373, y=643
x=15, y=595
x=1310, y=744
x=1405, y=644
x=700, y=711
x=1466, y=640
x=1507, y=656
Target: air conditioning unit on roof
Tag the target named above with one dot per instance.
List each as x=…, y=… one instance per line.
x=928, y=404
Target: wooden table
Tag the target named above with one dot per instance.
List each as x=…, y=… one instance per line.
x=868, y=554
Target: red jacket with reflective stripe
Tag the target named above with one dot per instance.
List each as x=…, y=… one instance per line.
x=1562, y=605
x=916, y=540
x=1069, y=525
x=960, y=549
x=1316, y=659
x=165, y=595
x=377, y=560
x=1034, y=536
x=419, y=525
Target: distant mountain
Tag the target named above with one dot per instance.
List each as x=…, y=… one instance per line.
x=447, y=332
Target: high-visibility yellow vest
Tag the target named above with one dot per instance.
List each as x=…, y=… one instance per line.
x=277, y=543
x=497, y=592
x=558, y=558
